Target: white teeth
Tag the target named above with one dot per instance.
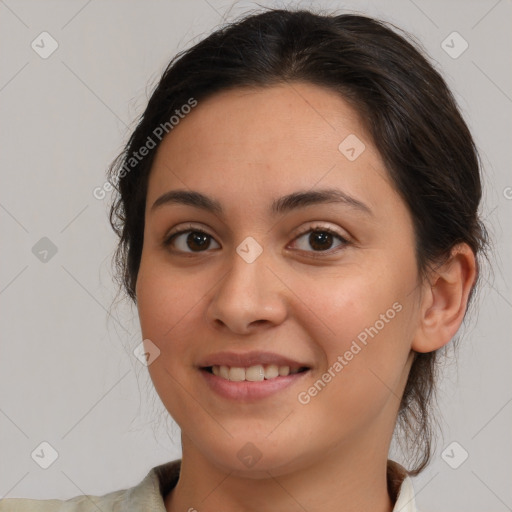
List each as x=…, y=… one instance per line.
x=252, y=373
x=236, y=374
x=223, y=372
x=271, y=371
x=284, y=370
x=255, y=373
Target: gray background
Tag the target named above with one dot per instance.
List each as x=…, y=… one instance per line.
x=67, y=372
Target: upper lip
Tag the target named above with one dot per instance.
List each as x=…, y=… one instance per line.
x=246, y=359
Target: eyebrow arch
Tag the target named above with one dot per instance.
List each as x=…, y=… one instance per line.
x=281, y=205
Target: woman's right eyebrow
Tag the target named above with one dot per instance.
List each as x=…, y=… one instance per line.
x=284, y=204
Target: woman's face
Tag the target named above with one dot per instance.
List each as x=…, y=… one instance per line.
x=267, y=291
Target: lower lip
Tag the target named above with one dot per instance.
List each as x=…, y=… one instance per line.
x=248, y=391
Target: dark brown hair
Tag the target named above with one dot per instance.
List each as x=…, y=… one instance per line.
x=408, y=111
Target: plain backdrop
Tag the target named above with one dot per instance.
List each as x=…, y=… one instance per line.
x=68, y=376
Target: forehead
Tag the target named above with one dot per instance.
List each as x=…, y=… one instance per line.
x=278, y=117
x=268, y=141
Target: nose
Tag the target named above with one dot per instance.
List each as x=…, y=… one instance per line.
x=249, y=295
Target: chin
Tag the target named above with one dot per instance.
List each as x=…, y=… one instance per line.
x=257, y=461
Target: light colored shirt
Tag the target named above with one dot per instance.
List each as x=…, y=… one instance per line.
x=149, y=495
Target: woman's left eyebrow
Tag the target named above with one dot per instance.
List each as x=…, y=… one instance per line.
x=284, y=204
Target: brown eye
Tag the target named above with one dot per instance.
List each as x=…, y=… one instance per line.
x=320, y=239
x=196, y=241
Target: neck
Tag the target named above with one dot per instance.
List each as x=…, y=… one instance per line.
x=343, y=479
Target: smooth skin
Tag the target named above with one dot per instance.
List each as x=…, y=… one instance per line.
x=245, y=148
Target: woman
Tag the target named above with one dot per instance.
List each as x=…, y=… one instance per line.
x=297, y=213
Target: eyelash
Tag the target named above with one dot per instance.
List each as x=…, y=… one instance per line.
x=315, y=254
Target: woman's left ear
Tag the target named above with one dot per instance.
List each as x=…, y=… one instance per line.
x=445, y=299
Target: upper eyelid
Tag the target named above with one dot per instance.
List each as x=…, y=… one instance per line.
x=191, y=227
x=318, y=227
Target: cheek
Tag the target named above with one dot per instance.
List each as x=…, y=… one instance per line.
x=165, y=298
x=350, y=307
x=169, y=306
x=363, y=327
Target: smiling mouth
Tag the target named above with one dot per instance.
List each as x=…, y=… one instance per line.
x=253, y=373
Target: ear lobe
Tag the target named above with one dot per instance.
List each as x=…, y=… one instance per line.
x=445, y=300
